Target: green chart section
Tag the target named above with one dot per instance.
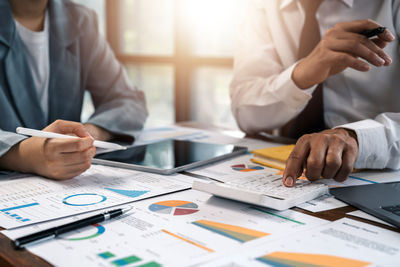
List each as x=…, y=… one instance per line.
x=126, y=260
x=237, y=233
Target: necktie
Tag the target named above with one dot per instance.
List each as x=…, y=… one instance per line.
x=311, y=119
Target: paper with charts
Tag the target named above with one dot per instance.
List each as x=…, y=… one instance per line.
x=35, y=199
x=172, y=230
x=242, y=167
x=341, y=243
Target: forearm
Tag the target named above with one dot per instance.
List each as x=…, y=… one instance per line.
x=98, y=133
x=266, y=102
x=14, y=159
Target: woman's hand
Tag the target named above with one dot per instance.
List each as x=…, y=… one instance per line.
x=54, y=158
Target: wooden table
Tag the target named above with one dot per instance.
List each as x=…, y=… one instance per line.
x=11, y=257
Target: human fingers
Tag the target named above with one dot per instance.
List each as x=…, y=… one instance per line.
x=354, y=41
x=73, y=158
x=315, y=161
x=344, y=60
x=71, y=171
x=379, y=42
x=294, y=164
x=386, y=36
x=59, y=145
x=358, y=49
x=333, y=160
x=348, y=160
x=357, y=26
x=67, y=127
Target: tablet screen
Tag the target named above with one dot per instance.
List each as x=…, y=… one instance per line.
x=171, y=154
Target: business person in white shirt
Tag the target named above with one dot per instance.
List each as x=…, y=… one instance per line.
x=274, y=81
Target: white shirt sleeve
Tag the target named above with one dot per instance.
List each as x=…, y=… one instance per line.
x=378, y=141
x=263, y=94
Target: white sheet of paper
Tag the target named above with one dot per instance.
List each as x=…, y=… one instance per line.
x=36, y=199
x=325, y=202
x=341, y=243
x=238, y=167
x=364, y=215
x=173, y=230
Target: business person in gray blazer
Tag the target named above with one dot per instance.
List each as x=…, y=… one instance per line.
x=50, y=53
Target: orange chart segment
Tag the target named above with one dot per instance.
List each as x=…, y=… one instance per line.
x=173, y=203
x=237, y=233
x=291, y=259
x=188, y=241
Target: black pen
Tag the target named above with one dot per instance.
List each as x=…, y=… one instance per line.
x=56, y=231
x=373, y=32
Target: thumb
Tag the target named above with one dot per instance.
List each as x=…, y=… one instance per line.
x=68, y=127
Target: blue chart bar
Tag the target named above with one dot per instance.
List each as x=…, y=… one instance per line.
x=16, y=216
x=19, y=207
x=362, y=179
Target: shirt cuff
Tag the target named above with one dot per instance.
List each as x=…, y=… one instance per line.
x=8, y=140
x=295, y=97
x=372, y=144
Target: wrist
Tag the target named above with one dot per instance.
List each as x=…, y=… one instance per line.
x=349, y=133
x=299, y=76
x=14, y=159
x=97, y=132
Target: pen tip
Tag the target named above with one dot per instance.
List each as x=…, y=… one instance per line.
x=125, y=210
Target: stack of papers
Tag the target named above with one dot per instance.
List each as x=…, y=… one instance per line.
x=173, y=230
x=188, y=228
x=36, y=199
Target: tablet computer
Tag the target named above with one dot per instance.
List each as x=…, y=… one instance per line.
x=169, y=156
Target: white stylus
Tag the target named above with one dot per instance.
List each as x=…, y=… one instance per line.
x=37, y=133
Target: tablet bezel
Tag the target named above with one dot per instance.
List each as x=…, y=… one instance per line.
x=236, y=150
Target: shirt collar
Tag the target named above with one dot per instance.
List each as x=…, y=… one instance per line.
x=286, y=3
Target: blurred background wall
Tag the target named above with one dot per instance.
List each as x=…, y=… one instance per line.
x=179, y=52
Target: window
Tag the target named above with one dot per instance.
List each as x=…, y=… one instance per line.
x=179, y=52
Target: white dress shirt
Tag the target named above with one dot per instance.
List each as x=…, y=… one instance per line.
x=37, y=53
x=264, y=96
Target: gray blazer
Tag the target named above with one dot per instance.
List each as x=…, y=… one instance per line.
x=80, y=59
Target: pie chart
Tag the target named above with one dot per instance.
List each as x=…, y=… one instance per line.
x=246, y=167
x=174, y=207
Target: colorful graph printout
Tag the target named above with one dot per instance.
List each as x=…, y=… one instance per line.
x=128, y=193
x=246, y=167
x=304, y=259
x=100, y=231
x=237, y=233
x=85, y=199
x=10, y=211
x=174, y=207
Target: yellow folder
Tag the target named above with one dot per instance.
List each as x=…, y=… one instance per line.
x=274, y=157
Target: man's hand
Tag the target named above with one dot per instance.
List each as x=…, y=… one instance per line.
x=328, y=154
x=54, y=158
x=343, y=46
